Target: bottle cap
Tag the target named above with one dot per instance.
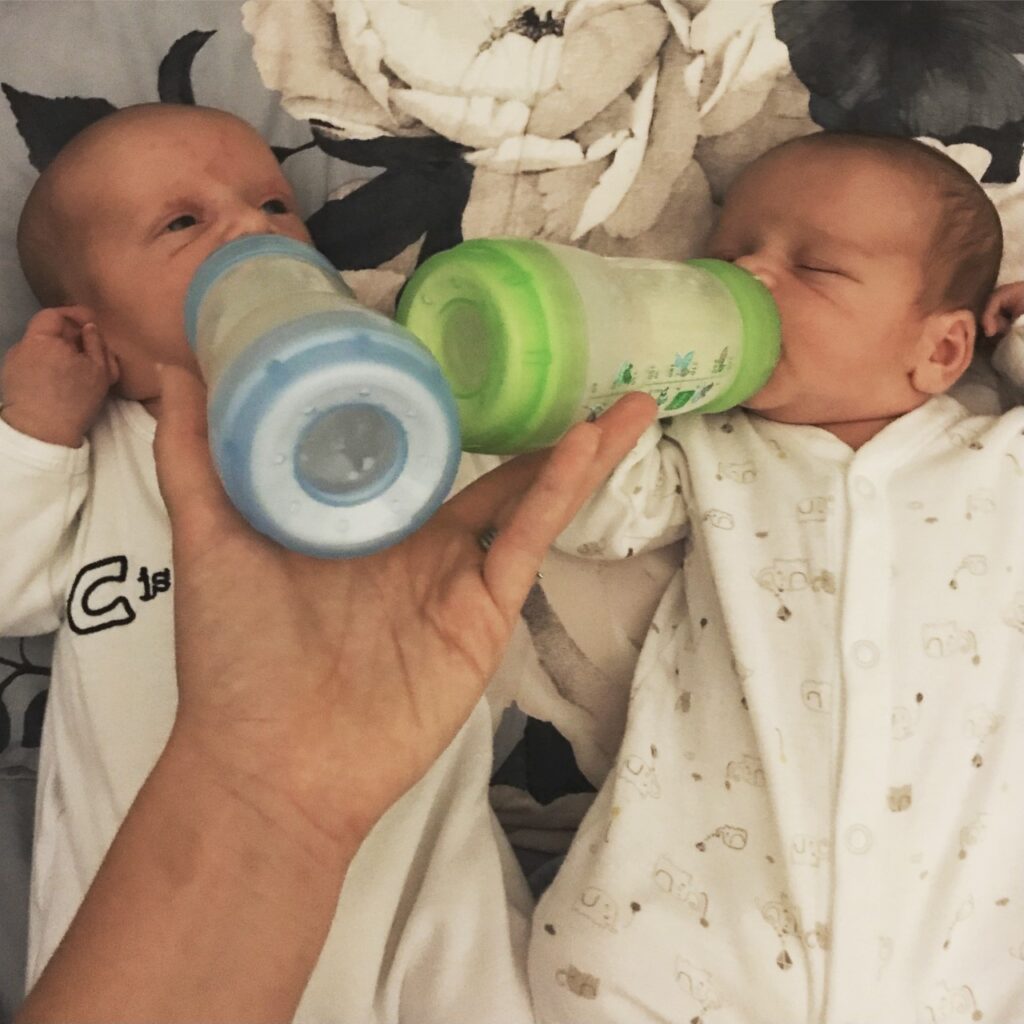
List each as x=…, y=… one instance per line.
x=505, y=322
x=336, y=435
x=761, y=332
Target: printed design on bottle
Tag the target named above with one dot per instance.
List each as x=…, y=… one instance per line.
x=677, y=882
x=624, y=376
x=948, y=640
x=699, y=985
x=673, y=386
x=949, y=1005
x=578, y=982
x=682, y=397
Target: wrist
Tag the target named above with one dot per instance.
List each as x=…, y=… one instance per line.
x=42, y=429
x=263, y=814
x=208, y=876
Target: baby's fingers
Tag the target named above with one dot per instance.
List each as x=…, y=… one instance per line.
x=98, y=353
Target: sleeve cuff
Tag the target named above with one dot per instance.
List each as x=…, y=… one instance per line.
x=42, y=455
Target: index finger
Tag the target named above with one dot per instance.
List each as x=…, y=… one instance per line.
x=547, y=493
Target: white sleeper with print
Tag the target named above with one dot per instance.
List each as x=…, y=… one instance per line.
x=815, y=815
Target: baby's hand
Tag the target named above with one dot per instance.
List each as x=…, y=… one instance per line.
x=1004, y=307
x=55, y=379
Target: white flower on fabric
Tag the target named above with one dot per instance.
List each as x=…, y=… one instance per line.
x=740, y=61
x=579, y=117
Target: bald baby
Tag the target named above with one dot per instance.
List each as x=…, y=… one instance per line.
x=110, y=238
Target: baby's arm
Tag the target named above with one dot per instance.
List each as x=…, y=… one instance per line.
x=55, y=379
x=640, y=507
x=1004, y=307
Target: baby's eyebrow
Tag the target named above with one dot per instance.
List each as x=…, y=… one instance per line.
x=842, y=242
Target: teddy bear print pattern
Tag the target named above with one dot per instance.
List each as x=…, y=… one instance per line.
x=815, y=811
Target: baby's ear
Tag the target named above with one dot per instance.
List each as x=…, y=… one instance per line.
x=944, y=351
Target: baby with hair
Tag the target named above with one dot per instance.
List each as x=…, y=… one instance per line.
x=815, y=811
x=109, y=239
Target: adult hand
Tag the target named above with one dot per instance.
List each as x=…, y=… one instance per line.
x=312, y=694
x=337, y=683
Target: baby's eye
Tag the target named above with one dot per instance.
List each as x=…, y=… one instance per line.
x=819, y=270
x=275, y=206
x=181, y=223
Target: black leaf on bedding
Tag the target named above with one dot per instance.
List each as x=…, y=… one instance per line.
x=386, y=151
x=542, y=763
x=32, y=727
x=15, y=669
x=941, y=68
x=381, y=218
x=174, y=79
x=48, y=124
x=283, y=152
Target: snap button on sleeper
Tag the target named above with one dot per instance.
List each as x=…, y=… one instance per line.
x=864, y=487
x=859, y=839
x=865, y=653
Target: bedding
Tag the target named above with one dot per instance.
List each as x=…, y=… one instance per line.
x=615, y=125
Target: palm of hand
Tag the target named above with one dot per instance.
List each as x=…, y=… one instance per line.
x=339, y=682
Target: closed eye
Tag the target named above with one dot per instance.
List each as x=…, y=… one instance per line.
x=821, y=270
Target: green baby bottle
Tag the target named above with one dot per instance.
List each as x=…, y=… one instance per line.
x=535, y=336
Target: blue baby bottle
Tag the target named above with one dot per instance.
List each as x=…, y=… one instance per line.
x=331, y=426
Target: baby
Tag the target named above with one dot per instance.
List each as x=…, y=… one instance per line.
x=815, y=814
x=109, y=240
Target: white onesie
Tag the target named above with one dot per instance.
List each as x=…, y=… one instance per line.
x=816, y=811
x=433, y=917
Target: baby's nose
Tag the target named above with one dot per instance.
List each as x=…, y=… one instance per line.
x=250, y=220
x=760, y=266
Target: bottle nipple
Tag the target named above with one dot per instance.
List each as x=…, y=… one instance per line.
x=349, y=452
